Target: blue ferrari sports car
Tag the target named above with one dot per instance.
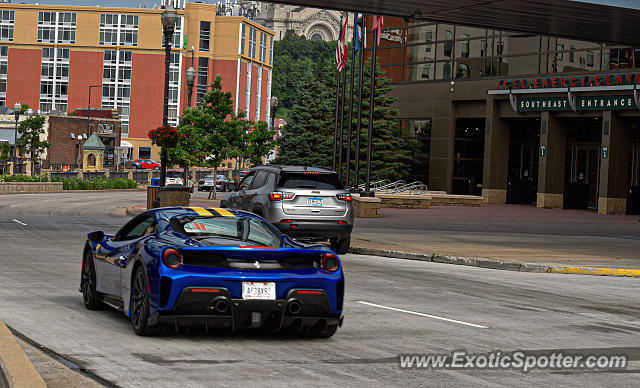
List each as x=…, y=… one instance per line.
x=224, y=269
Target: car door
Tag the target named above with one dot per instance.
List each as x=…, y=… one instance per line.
x=111, y=258
x=250, y=195
x=237, y=200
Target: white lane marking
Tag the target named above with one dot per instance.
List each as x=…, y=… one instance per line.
x=423, y=315
x=21, y=223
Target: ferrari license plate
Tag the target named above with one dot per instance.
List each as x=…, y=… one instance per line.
x=314, y=201
x=259, y=290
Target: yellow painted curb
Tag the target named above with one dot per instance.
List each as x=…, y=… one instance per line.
x=634, y=273
x=16, y=366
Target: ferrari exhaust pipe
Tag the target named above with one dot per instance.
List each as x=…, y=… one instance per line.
x=294, y=307
x=221, y=304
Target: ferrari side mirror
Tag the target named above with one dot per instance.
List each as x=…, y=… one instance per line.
x=96, y=237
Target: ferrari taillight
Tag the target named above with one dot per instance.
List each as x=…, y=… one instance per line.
x=171, y=258
x=330, y=262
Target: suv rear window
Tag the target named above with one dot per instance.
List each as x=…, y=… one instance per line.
x=289, y=180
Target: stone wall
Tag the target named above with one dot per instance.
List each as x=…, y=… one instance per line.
x=30, y=187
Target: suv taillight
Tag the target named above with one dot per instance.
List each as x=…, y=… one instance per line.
x=279, y=196
x=344, y=197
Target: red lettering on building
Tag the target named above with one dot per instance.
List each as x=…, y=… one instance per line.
x=583, y=80
x=499, y=83
x=553, y=82
x=535, y=83
x=608, y=80
x=573, y=82
x=597, y=80
x=619, y=80
x=545, y=83
x=562, y=83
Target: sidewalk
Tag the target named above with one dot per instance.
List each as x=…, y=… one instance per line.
x=499, y=236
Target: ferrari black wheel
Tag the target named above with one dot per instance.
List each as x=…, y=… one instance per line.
x=89, y=293
x=140, y=304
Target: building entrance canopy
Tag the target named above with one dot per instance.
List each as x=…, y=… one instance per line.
x=607, y=21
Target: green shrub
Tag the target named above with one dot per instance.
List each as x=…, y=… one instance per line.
x=24, y=178
x=96, y=183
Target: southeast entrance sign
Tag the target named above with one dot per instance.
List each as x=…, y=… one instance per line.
x=583, y=103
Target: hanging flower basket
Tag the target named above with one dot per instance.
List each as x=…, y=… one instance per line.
x=165, y=136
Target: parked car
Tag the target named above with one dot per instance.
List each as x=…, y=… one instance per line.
x=239, y=175
x=175, y=177
x=224, y=269
x=124, y=163
x=304, y=202
x=148, y=164
x=206, y=183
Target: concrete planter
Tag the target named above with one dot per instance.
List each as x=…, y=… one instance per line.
x=30, y=187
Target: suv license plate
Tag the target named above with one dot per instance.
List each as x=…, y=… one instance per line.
x=314, y=201
x=259, y=290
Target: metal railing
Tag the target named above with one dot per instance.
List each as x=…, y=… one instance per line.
x=385, y=186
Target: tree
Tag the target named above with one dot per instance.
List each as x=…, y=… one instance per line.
x=259, y=140
x=307, y=138
x=292, y=57
x=30, y=142
x=211, y=129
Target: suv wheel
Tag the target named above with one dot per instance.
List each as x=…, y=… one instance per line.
x=341, y=246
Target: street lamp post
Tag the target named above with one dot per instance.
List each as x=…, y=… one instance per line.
x=169, y=16
x=16, y=110
x=191, y=78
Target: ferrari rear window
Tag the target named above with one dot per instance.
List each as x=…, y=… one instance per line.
x=241, y=229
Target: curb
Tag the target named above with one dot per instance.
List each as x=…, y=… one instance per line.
x=15, y=368
x=497, y=264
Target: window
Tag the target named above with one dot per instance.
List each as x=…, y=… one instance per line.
x=590, y=58
x=4, y=60
x=259, y=93
x=252, y=43
x=428, y=38
x=247, y=102
x=174, y=87
x=7, y=19
x=203, y=80
x=462, y=71
x=559, y=54
x=242, y=28
x=483, y=48
x=260, y=179
x=448, y=46
x=205, y=35
x=446, y=70
x=271, y=50
x=144, y=152
x=426, y=71
x=263, y=47
x=118, y=30
x=54, y=79
x=464, y=48
x=571, y=53
x=116, y=84
x=296, y=180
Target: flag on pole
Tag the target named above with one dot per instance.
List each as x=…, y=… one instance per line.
x=356, y=47
x=342, y=52
x=378, y=22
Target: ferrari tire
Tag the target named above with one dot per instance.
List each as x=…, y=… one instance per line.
x=341, y=246
x=89, y=292
x=140, y=305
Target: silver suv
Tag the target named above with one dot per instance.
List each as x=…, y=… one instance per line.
x=303, y=202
